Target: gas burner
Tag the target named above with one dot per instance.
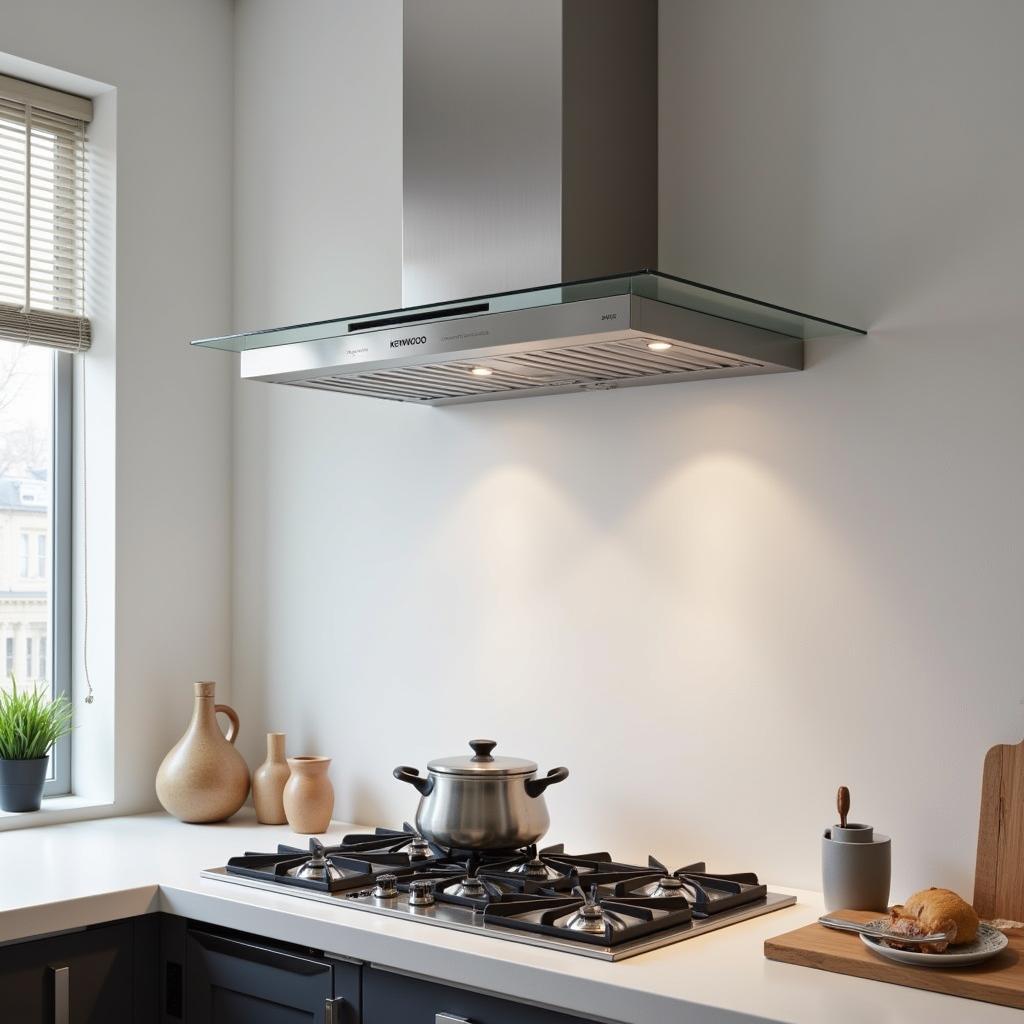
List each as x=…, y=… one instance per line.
x=535, y=870
x=546, y=868
x=470, y=887
x=664, y=888
x=421, y=893
x=591, y=918
x=318, y=868
x=418, y=849
x=386, y=887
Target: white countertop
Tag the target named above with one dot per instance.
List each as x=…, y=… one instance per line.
x=59, y=877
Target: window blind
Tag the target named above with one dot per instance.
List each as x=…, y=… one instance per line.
x=42, y=216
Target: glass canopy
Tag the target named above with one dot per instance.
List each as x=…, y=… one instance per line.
x=650, y=284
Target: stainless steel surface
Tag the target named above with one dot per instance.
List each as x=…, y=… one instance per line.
x=450, y=1018
x=480, y=804
x=482, y=144
x=519, y=171
x=332, y=1010
x=448, y=915
x=881, y=933
x=593, y=344
x=61, y=995
x=421, y=893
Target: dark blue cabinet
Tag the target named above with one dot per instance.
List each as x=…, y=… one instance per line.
x=162, y=969
x=94, y=976
x=232, y=980
x=390, y=998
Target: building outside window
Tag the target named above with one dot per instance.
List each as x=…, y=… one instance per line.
x=41, y=544
x=29, y=673
x=9, y=657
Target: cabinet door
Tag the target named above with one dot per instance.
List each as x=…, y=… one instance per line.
x=398, y=999
x=230, y=981
x=81, y=978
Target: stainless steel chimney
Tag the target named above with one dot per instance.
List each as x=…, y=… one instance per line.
x=530, y=143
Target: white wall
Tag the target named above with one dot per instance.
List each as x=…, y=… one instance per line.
x=159, y=447
x=715, y=602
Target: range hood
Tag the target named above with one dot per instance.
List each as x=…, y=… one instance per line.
x=530, y=154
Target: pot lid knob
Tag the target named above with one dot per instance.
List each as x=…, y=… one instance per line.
x=482, y=749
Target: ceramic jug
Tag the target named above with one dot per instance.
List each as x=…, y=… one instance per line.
x=309, y=795
x=203, y=777
x=268, y=782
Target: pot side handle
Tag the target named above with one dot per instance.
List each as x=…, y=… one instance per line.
x=411, y=775
x=534, y=787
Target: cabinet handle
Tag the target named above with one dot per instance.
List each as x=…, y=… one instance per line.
x=61, y=995
x=450, y=1018
x=332, y=1010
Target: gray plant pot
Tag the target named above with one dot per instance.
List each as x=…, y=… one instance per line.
x=21, y=784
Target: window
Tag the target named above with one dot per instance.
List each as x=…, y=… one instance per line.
x=35, y=577
x=42, y=324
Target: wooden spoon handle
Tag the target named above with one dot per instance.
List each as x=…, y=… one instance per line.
x=843, y=804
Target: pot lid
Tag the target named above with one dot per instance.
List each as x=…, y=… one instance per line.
x=483, y=762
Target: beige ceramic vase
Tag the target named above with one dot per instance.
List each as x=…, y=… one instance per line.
x=203, y=778
x=309, y=795
x=268, y=782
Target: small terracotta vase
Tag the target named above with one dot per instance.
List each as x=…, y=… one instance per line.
x=203, y=778
x=309, y=795
x=268, y=782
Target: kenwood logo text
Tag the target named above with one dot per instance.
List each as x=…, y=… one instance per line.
x=403, y=342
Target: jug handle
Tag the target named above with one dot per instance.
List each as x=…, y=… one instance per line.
x=232, y=716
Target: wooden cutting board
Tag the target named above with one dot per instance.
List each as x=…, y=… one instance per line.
x=999, y=870
x=999, y=980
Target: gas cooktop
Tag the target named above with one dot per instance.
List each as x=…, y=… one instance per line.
x=587, y=904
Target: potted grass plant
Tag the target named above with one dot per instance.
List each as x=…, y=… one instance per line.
x=30, y=724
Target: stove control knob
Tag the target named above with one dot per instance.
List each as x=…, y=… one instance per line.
x=421, y=893
x=386, y=887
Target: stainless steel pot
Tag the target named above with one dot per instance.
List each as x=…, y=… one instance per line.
x=481, y=802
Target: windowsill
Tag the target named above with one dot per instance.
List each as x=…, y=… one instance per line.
x=54, y=809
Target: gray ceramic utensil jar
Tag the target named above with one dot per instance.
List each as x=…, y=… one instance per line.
x=855, y=868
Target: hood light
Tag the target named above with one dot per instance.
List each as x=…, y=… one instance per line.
x=481, y=371
x=659, y=346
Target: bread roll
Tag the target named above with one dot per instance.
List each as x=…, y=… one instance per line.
x=936, y=910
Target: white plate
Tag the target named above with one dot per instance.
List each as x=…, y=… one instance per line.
x=987, y=943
